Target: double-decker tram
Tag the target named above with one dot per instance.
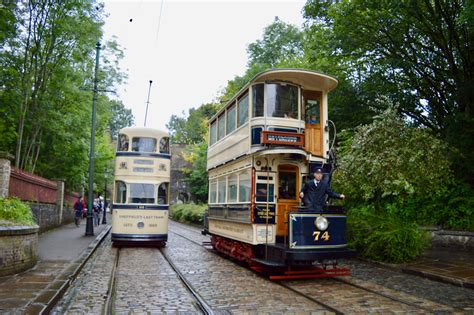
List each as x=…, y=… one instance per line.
x=263, y=146
x=141, y=193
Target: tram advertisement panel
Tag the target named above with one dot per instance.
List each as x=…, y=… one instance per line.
x=143, y=222
x=305, y=233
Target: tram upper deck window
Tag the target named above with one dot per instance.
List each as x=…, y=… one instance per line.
x=143, y=144
x=163, y=194
x=123, y=142
x=213, y=133
x=231, y=119
x=165, y=145
x=221, y=127
x=141, y=193
x=282, y=101
x=243, y=110
x=257, y=91
x=120, y=192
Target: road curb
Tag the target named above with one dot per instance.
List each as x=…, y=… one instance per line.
x=81, y=262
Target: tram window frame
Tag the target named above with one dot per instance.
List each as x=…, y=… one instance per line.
x=258, y=100
x=231, y=121
x=165, y=145
x=123, y=143
x=232, y=188
x=136, y=146
x=243, y=114
x=213, y=132
x=221, y=127
x=245, y=186
x=222, y=190
x=166, y=194
x=275, y=106
x=213, y=192
x=263, y=197
x=146, y=198
x=120, y=194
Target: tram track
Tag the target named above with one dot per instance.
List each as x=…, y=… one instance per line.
x=109, y=306
x=293, y=286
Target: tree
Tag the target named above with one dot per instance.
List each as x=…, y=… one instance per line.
x=280, y=42
x=389, y=161
x=121, y=117
x=417, y=53
x=193, y=128
x=197, y=175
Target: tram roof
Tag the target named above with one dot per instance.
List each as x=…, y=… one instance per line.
x=142, y=131
x=307, y=79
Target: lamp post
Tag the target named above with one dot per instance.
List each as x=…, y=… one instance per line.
x=104, y=219
x=90, y=198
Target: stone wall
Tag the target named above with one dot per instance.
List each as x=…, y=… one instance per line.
x=18, y=249
x=462, y=240
x=5, y=170
x=49, y=216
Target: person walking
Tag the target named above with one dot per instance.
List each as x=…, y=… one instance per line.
x=96, y=208
x=314, y=192
x=79, y=207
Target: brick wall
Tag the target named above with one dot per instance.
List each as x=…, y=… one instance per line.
x=18, y=249
x=30, y=187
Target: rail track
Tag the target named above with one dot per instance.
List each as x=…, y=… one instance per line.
x=297, y=287
x=109, y=306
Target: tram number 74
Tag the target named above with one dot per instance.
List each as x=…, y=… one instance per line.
x=317, y=235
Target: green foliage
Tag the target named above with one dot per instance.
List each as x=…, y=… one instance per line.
x=389, y=161
x=385, y=237
x=418, y=54
x=280, y=42
x=197, y=175
x=14, y=211
x=188, y=213
x=121, y=117
x=193, y=128
x=46, y=74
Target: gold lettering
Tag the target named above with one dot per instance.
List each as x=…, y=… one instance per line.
x=316, y=235
x=325, y=236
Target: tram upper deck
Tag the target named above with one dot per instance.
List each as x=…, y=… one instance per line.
x=142, y=153
x=284, y=108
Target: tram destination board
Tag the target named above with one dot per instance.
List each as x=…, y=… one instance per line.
x=282, y=138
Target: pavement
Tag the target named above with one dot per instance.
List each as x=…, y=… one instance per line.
x=62, y=253
x=449, y=265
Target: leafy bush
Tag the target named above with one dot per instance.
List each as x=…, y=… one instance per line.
x=385, y=237
x=14, y=211
x=388, y=161
x=188, y=213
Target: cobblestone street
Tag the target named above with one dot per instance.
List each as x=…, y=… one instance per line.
x=145, y=282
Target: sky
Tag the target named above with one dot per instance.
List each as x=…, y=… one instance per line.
x=190, y=52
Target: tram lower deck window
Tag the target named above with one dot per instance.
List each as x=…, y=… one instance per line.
x=141, y=193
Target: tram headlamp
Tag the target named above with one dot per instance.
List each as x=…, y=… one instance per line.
x=321, y=223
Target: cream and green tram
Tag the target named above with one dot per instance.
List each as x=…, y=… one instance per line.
x=141, y=191
x=263, y=146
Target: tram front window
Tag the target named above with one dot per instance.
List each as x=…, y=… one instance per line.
x=144, y=144
x=122, y=144
x=165, y=145
x=141, y=193
x=120, y=192
x=282, y=101
x=163, y=194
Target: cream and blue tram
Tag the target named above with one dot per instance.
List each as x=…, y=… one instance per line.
x=262, y=146
x=141, y=192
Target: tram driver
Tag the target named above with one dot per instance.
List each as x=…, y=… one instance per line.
x=314, y=192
